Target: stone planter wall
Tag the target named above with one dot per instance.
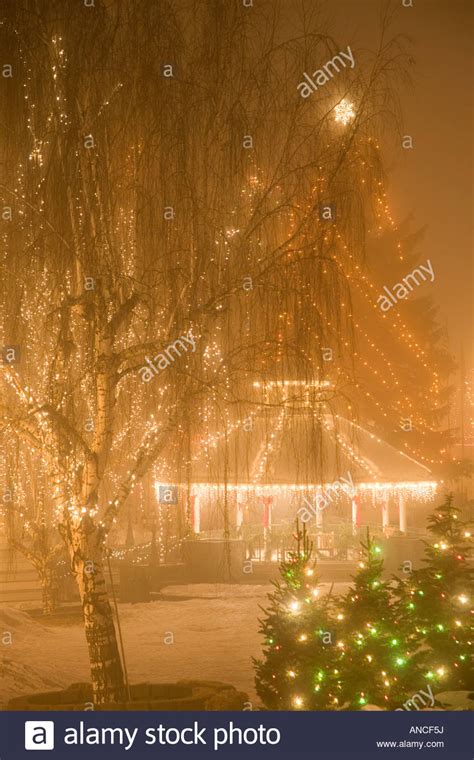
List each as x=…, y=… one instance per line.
x=180, y=696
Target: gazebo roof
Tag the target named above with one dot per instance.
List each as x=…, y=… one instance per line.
x=301, y=450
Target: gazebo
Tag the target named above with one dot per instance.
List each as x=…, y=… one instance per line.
x=287, y=460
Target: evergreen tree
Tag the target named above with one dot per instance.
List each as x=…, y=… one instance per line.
x=378, y=665
x=405, y=367
x=436, y=600
x=299, y=668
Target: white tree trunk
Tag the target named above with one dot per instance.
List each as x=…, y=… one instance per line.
x=87, y=553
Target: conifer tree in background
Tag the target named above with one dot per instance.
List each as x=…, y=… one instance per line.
x=377, y=665
x=299, y=669
x=410, y=396
x=437, y=600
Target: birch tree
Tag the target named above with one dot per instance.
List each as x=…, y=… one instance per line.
x=29, y=519
x=165, y=179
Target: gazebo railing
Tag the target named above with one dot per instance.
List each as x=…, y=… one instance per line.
x=331, y=543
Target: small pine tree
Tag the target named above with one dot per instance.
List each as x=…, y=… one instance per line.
x=436, y=600
x=377, y=664
x=299, y=670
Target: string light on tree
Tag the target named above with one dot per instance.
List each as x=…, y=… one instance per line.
x=344, y=112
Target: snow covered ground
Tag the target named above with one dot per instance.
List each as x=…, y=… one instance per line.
x=213, y=630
